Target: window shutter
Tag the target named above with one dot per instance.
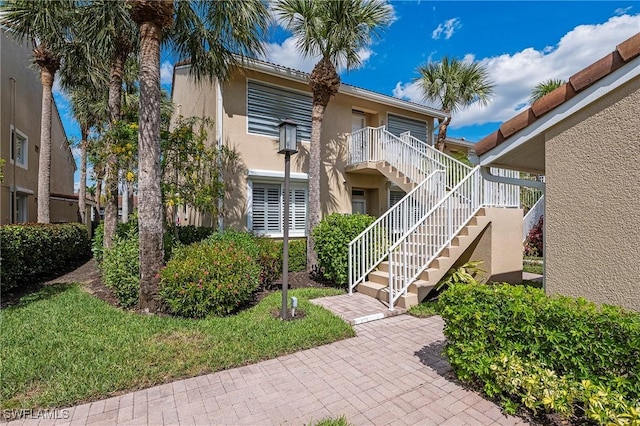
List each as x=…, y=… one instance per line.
x=397, y=125
x=395, y=197
x=267, y=106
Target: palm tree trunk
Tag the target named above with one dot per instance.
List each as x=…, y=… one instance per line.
x=317, y=115
x=115, y=100
x=98, y=193
x=44, y=162
x=442, y=133
x=82, y=191
x=151, y=17
x=125, y=201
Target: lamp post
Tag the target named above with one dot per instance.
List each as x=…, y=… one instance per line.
x=288, y=146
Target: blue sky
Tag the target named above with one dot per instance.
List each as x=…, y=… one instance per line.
x=520, y=43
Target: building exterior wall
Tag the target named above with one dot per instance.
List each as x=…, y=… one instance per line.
x=592, y=230
x=499, y=247
x=258, y=153
x=16, y=64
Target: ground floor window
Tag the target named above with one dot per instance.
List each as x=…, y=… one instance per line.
x=267, y=207
x=395, y=197
x=18, y=208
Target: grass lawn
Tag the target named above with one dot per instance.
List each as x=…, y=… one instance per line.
x=62, y=346
x=426, y=309
x=532, y=268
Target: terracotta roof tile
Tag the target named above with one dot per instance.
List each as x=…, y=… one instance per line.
x=597, y=70
x=625, y=51
x=517, y=123
x=630, y=48
x=553, y=99
x=489, y=142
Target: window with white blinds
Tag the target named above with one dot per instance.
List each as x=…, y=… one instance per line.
x=397, y=124
x=268, y=207
x=268, y=105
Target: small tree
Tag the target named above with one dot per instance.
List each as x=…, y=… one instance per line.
x=191, y=170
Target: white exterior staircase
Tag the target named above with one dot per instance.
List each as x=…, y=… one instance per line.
x=405, y=252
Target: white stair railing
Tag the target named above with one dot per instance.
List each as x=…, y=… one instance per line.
x=371, y=247
x=456, y=170
x=410, y=255
x=376, y=144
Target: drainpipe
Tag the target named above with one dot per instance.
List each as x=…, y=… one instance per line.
x=219, y=115
x=487, y=175
x=14, y=202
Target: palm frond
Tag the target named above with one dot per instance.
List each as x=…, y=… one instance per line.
x=544, y=87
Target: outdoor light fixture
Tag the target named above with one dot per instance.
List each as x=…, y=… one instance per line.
x=288, y=146
x=288, y=137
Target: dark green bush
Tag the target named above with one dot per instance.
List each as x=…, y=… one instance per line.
x=331, y=238
x=556, y=348
x=186, y=235
x=34, y=251
x=121, y=268
x=209, y=278
x=264, y=251
x=270, y=260
x=297, y=255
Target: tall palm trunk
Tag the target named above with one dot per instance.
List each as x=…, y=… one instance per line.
x=325, y=82
x=48, y=67
x=111, y=184
x=82, y=191
x=442, y=132
x=151, y=17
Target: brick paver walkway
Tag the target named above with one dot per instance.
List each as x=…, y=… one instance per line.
x=357, y=308
x=391, y=373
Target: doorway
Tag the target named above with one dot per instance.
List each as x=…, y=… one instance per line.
x=358, y=201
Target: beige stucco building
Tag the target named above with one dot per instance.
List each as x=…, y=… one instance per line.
x=246, y=112
x=585, y=138
x=21, y=100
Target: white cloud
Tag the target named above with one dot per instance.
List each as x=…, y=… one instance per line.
x=446, y=28
x=622, y=10
x=166, y=73
x=514, y=75
x=286, y=54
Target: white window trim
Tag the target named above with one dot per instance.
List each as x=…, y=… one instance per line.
x=246, y=106
x=266, y=180
x=25, y=151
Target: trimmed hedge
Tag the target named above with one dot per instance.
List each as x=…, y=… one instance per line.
x=34, y=251
x=209, y=278
x=547, y=353
x=331, y=240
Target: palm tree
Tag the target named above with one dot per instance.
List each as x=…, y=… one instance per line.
x=209, y=33
x=85, y=105
x=334, y=31
x=545, y=87
x=109, y=30
x=452, y=85
x=48, y=24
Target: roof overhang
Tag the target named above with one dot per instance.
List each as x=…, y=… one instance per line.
x=347, y=89
x=524, y=150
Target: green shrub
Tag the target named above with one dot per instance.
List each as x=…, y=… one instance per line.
x=331, y=238
x=186, y=235
x=209, y=278
x=270, y=260
x=565, y=342
x=298, y=255
x=121, y=269
x=190, y=234
x=34, y=251
x=264, y=251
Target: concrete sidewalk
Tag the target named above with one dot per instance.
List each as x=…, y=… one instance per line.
x=391, y=373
